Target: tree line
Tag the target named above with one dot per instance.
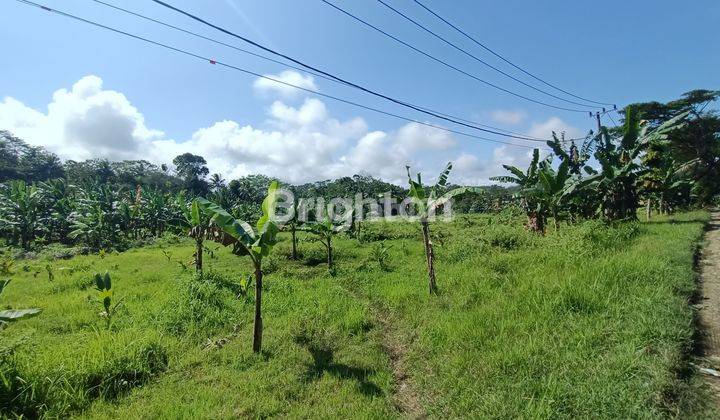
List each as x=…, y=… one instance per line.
x=105, y=204
x=664, y=155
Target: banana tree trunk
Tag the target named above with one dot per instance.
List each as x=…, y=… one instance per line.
x=258, y=325
x=555, y=220
x=329, y=252
x=429, y=255
x=648, y=208
x=661, y=204
x=536, y=222
x=198, y=254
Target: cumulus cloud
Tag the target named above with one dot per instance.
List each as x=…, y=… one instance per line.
x=297, y=143
x=508, y=117
x=283, y=90
x=83, y=122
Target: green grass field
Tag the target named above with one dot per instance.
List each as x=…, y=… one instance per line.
x=593, y=321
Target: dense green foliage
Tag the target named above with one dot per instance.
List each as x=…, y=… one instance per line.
x=645, y=159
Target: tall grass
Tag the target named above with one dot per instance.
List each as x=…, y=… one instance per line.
x=591, y=322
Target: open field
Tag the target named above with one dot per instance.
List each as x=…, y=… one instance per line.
x=591, y=321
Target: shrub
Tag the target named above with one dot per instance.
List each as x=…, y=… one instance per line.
x=202, y=304
x=380, y=254
x=506, y=238
x=598, y=234
x=107, y=366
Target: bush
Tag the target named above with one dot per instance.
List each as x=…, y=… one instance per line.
x=106, y=367
x=203, y=304
x=505, y=237
x=315, y=255
x=597, y=234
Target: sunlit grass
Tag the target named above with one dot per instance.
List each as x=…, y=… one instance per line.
x=592, y=321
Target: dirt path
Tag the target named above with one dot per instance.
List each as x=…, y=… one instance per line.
x=709, y=306
x=405, y=399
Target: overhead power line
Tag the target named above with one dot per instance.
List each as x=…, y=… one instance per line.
x=486, y=48
x=364, y=89
x=441, y=61
x=218, y=42
x=476, y=58
x=249, y=72
x=272, y=51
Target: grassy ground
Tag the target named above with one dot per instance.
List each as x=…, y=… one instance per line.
x=592, y=321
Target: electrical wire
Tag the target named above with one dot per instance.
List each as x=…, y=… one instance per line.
x=443, y=62
x=476, y=58
x=197, y=35
x=447, y=22
x=364, y=89
x=249, y=72
x=270, y=50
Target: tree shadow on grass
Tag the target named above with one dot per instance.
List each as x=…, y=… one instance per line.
x=674, y=222
x=323, y=363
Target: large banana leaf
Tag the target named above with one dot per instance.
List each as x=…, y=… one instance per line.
x=442, y=179
x=229, y=231
x=522, y=176
x=532, y=169
x=443, y=199
x=416, y=188
x=237, y=229
x=506, y=179
x=12, y=315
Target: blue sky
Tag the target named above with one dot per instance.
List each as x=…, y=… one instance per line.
x=146, y=102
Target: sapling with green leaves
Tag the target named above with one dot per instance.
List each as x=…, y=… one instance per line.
x=197, y=223
x=103, y=284
x=293, y=225
x=381, y=255
x=426, y=204
x=246, y=241
x=12, y=315
x=325, y=230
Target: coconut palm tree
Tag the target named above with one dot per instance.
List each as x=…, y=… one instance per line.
x=216, y=182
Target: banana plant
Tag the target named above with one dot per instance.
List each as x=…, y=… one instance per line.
x=246, y=241
x=325, y=230
x=103, y=285
x=20, y=213
x=668, y=186
x=293, y=225
x=527, y=180
x=13, y=315
x=197, y=222
x=618, y=180
x=549, y=191
x=427, y=204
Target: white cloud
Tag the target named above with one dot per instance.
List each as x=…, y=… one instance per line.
x=284, y=90
x=297, y=143
x=545, y=129
x=508, y=117
x=313, y=111
x=81, y=123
